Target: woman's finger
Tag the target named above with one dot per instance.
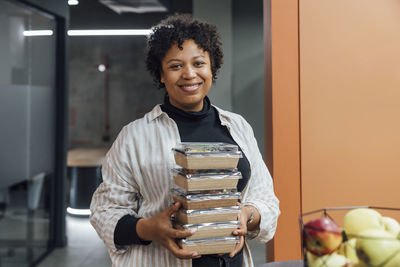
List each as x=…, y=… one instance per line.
x=240, y=232
x=174, y=233
x=180, y=253
x=238, y=247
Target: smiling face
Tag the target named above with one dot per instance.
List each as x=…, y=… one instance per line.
x=187, y=75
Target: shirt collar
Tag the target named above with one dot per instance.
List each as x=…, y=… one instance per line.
x=223, y=116
x=157, y=112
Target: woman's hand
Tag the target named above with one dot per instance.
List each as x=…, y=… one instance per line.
x=246, y=212
x=158, y=228
x=241, y=231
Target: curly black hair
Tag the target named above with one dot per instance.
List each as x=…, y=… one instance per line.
x=175, y=29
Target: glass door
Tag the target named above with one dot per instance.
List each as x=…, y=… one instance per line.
x=27, y=135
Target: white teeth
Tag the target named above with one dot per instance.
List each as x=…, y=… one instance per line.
x=191, y=86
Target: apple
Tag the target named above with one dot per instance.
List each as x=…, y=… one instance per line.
x=311, y=258
x=377, y=247
x=329, y=260
x=348, y=249
x=322, y=236
x=391, y=225
x=394, y=262
x=360, y=219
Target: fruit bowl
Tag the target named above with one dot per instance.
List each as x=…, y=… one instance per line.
x=365, y=237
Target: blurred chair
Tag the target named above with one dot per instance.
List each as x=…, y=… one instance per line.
x=294, y=263
x=34, y=193
x=35, y=186
x=4, y=199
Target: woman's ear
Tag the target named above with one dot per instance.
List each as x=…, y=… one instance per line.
x=162, y=80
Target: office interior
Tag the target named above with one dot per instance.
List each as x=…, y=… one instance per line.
x=64, y=93
x=317, y=81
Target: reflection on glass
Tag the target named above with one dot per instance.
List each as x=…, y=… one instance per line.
x=27, y=136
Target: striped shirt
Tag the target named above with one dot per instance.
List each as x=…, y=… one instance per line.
x=137, y=181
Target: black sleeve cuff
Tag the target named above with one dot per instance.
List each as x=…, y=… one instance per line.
x=125, y=232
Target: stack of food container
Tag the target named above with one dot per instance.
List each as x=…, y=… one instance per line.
x=206, y=187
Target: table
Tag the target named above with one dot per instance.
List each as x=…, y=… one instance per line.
x=293, y=263
x=84, y=173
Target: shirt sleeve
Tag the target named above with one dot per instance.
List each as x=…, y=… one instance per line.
x=118, y=195
x=125, y=232
x=260, y=192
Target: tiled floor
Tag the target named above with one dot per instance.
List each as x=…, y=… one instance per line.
x=85, y=249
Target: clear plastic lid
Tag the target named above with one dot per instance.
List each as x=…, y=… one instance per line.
x=208, y=173
x=197, y=148
x=215, y=225
x=206, y=194
x=230, y=239
x=212, y=211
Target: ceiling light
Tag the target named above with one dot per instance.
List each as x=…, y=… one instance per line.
x=136, y=6
x=38, y=33
x=73, y=2
x=101, y=67
x=107, y=32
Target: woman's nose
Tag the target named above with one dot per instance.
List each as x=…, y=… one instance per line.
x=188, y=73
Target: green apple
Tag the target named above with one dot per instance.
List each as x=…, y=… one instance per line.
x=391, y=225
x=358, y=220
x=348, y=249
x=310, y=258
x=394, y=262
x=329, y=260
x=377, y=247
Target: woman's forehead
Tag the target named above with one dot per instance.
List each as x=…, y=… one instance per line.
x=189, y=49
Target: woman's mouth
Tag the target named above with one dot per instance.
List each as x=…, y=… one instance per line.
x=190, y=87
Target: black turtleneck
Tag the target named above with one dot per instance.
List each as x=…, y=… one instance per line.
x=201, y=126
x=205, y=126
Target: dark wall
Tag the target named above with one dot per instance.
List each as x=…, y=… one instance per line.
x=248, y=64
x=131, y=90
x=90, y=14
x=56, y=7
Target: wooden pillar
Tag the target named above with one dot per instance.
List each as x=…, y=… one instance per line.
x=282, y=120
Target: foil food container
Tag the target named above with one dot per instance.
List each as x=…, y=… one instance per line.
x=207, y=155
x=210, y=245
x=223, y=214
x=205, y=179
x=209, y=230
x=206, y=199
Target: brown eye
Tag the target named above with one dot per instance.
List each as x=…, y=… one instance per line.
x=175, y=67
x=199, y=63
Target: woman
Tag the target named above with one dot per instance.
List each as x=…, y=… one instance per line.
x=131, y=209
